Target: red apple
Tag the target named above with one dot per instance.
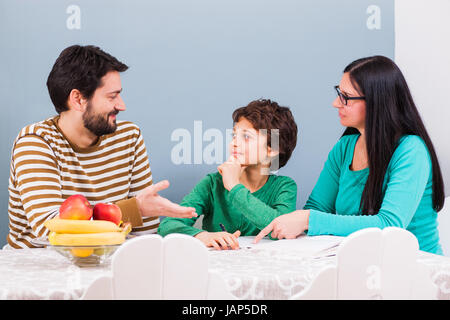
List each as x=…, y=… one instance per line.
x=107, y=211
x=76, y=207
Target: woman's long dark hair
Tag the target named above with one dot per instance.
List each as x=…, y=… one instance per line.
x=390, y=114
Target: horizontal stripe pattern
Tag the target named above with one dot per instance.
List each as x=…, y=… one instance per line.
x=45, y=170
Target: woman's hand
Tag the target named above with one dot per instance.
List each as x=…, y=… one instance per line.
x=219, y=240
x=286, y=226
x=231, y=172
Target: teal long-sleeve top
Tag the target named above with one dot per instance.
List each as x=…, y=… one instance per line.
x=407, y=203
x=237, y=209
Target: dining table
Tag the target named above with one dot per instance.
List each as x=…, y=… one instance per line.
x=250, y=273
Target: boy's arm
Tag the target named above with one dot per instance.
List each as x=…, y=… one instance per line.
x=200, y=199
x=259, y=213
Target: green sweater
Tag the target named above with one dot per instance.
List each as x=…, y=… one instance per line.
x=407, y=194
x=237, y=209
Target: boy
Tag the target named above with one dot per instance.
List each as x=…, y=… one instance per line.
x=242, y=197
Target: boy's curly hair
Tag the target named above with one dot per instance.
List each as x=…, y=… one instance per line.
x=267, y=114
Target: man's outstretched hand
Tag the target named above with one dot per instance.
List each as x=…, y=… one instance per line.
x=151, y=204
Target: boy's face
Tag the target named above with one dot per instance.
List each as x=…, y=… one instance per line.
x=249, y=146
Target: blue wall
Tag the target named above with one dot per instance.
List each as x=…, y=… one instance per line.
x=194, y=60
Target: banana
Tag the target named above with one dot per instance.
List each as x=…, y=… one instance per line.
x=90, y=239
x=80, y=226
x=87, y=239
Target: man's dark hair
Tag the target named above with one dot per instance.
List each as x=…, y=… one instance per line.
x=267, y=114
x=79, y=67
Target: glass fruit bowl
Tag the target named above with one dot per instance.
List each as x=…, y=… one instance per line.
x=92, y=256
x=82, y=256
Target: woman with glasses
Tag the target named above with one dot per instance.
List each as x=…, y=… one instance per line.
x=382, y=172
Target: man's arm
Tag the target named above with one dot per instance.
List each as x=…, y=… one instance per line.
x=144, y=199
x=37, y=180
x=141, y=177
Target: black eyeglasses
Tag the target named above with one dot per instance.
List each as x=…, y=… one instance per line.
x=344, y=98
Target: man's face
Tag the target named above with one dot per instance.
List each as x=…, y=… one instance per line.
x=105, y=104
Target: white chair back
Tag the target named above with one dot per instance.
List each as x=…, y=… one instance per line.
x=357, y=255
x=137, y=267
x=185, y=269
x=399, y=263
x=152, y=267
x=374, y=264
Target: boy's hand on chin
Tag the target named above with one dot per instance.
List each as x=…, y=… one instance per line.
x=231, y=171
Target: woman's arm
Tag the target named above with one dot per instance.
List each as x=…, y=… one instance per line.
x=408, y=174
x=323, y=196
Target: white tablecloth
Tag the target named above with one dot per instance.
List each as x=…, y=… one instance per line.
x=249, y=273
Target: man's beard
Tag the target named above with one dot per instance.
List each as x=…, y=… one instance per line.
x=98, y=124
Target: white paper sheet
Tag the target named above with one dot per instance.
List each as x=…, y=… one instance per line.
x=307, y=244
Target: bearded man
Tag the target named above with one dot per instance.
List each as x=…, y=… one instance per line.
x=84, y=150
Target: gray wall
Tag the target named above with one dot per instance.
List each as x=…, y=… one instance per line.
x=194, y=60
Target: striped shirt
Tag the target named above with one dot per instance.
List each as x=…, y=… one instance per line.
x=46, y=169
